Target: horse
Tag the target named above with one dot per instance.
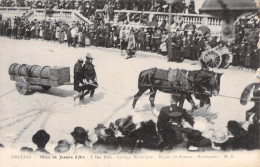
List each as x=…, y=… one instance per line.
x=202, y=83
x=256, y=98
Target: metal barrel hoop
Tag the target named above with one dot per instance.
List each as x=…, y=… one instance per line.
x=12, y=69
x=41, y=71
x=19, y=69
x=29, y=70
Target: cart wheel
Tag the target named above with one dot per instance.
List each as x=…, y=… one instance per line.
x=46, y=87
x=212, y=58
x=22, y=88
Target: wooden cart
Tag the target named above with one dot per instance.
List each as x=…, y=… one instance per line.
x=217, y=57
x=28, y=76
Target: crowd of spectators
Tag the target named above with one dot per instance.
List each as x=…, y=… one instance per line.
x=244, y=47
x=177, y=129
x=186, y=44
x=146, y=5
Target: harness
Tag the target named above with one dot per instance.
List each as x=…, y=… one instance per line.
x=186, y=75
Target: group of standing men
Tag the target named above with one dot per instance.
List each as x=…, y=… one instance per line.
x=85, y=78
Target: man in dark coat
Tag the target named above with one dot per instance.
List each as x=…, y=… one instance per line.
x=90, y=77
x=78, y=75
x=201, y=46
x=78, y=78
x=69, y=39
x=176, y=47
x=157, y=40
x=169, y=125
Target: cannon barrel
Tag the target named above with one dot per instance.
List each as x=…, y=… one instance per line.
x=33, y=71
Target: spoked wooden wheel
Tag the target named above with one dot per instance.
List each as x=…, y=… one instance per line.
x=212, y=58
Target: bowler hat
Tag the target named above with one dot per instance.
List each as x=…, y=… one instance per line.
x=100, y=130
x=88, y=56
x=80, y=135
x=63, y=146
x=41, y=138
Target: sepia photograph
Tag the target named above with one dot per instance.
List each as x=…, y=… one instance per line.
x=129, y=82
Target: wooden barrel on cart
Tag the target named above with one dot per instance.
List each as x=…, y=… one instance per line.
x=18, y=69
x=34, y=71
x=28, y=77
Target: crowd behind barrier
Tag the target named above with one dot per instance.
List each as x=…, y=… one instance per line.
x=110, y=5
x=187, y=43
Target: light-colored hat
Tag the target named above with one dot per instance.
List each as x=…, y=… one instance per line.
x=63, y=146
x=88, y=56
x=219, y=137
x=80, y=60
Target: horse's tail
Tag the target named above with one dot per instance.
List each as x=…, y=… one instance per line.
x=246, y=93
x=145, y=77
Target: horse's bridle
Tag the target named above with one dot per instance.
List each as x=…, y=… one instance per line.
x=204, y=88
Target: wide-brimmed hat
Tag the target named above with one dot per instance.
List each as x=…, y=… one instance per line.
x=63, y=146
x=88, y=56
x=41, y=138
x=80, y=134
x=219, y=137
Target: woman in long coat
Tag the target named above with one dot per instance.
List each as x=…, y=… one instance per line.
x=131, y=45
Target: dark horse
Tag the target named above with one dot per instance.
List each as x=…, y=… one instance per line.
x=256, y=98
x=202, y=83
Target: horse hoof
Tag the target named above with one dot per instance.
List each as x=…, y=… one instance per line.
x=156, y=112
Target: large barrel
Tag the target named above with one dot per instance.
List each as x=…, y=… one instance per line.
x=33, y=71
x=36, y=71
x=18, y=69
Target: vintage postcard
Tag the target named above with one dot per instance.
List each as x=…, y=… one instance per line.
x=129, y=82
